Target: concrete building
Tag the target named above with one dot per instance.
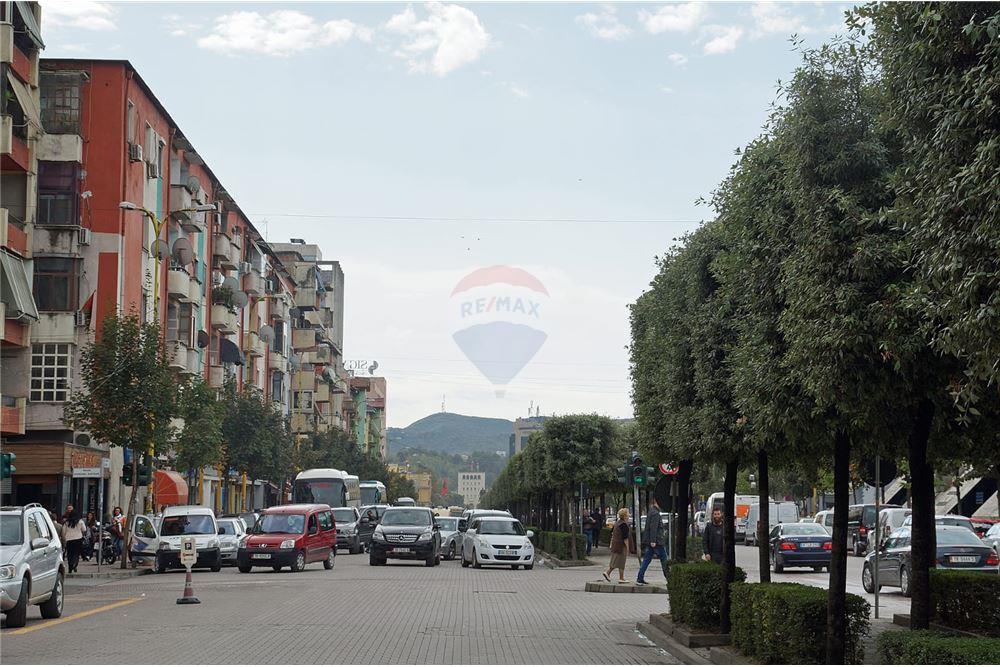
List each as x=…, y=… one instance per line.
x=366, y=413
x=523, y=428
x=470, y=486
x=422, y=482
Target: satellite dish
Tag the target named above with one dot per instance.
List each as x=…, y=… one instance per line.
x=240, y=299
x=203, y=339
x=193, y=184
x=160, y=249
x=266, y=333
x=328, y=374
x=182, y=252
x=293, y=312
x=230, y=283
x=218, y=278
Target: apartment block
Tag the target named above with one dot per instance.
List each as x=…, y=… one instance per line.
x=470, y=486
x=365, y=412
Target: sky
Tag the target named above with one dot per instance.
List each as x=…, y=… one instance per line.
x=417, y=143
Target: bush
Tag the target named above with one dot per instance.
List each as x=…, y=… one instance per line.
x=966, y=600
x=923, y=647
x=557, y=544
x=786, y=623
x=696, y=593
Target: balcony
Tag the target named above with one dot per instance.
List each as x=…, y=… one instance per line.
x=322, y=393
x=194, y=361
x=314, y=317
x=226, y=254
x=216, y=376
x=305, y=298
x=253, y=283
x=301, y=422
x=279, y=309
x=12, y=234
x=12, y=415
x=194, y=293
x=303, y=338
x=58, y=146
x=303, y=381
x=320, y=356
x=253, y=346
x=179, y=284
x=177, y=356
x=276, y=361
x=224, y=321
x=180, y=198
x=13, y=148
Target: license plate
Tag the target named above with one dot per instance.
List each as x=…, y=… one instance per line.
x=261, y=556
x=506, y=552
x=810, y=545
x=401, y=550
x=964, y=559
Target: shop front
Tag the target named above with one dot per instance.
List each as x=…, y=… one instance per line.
x=58, y=474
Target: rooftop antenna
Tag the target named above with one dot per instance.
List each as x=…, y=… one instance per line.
x=531, y=406
x=442, y=403
x=538, y=411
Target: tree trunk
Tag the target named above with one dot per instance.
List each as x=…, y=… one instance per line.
x=572, y=541
x=836, y=601
x=728, y=542
x=764, y=517
x=127, y=537
x=683, y=499
x=922, y=537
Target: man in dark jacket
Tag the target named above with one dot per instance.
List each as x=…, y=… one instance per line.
x=598, y=524
x=711, y=540
x=652, y=542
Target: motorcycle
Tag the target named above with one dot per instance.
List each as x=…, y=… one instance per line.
x=109, y=553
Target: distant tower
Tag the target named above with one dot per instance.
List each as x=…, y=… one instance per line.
x=538, y=411
x=531, y=406
x=442, y=403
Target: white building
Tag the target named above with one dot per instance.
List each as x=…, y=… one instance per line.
x=470, y=485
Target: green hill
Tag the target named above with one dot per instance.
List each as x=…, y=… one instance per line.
x=452, y=434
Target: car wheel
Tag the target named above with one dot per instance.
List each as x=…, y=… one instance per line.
x=437, y=558
x=217, y=567
x=328, y=563
x=514, y=567
x=817, y=568
x=245, y=569
x=475, y=560
x=276, y=568
x=371, y=559
x=430, y=561
x=529, y=567
x=158, y=567
x=53, y=607
x=465, y=563
x=904, y=581
x=17, y=615
x=868, y=579
x=300, y=562
x=779, y=567
x=355, y=547
x=451, y=551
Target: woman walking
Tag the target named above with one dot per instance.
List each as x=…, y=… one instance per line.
x=619, y=547
x=73, y=529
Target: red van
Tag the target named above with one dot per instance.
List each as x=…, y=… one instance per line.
x=292, y=535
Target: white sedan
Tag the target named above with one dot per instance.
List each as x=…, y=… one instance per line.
x=497, y=540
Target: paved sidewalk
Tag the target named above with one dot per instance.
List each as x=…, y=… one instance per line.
x=89, y=570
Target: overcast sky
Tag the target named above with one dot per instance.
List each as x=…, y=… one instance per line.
x=416, y=143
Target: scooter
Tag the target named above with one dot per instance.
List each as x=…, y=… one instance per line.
x=109, y=553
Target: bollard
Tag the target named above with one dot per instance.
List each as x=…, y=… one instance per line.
x=189, y=597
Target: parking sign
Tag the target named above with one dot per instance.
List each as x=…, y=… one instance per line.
x=189, y=552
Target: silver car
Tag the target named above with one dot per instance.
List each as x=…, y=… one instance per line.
x=992, y=538
x=31, y=564
x=232, y=535
x=451, y=539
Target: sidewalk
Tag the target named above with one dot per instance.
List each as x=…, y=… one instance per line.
x=88, y=570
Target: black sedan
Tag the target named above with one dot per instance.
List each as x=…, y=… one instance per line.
x=800, y=545
x=957, y=548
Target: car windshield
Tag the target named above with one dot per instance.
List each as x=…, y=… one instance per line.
x=954, y=537
x=188, y=524
x=802, y=529
x=10, y=529
x=501, y=528
x=344, y=515
x=448, y=524
x=401, y=517
x=280, y=524
x=227, y=527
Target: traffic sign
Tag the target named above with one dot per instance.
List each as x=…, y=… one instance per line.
x=668, y=469
x=189, y=552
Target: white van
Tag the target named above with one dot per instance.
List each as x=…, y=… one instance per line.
x=162, y=540
x=825, y=519
x=779, y=512
x=741, y=505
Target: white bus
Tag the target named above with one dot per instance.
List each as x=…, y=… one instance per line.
x=330, y=486
x=742, y=506
x=373, y=493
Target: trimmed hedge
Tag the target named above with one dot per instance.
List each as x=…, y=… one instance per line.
x=696, y=593
x=786, y=623
x=924, y=647
x=966, y=600
x=558, y=544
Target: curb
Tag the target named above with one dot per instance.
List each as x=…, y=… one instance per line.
x=604, y=587
x=556, y=563
x=667, y=643
x=112, y=574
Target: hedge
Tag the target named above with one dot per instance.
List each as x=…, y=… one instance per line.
x=786, y=623
x=557, y=544
x=966, y=600
x=924, y=647
x=696, y=593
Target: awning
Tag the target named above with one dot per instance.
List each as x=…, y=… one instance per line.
x=170, y=488
x=30, y=24
x=15, y=289
x=229, y=352
x=25, y=99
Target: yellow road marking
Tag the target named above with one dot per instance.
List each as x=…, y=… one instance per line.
x=66, y=619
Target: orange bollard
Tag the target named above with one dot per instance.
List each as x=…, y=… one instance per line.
x=189, y=597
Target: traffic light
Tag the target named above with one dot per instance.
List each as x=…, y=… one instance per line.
x=127, y=473
x=145, y=470
x=7, y=468
x=650, y=475
x=623, y=475
x=638, y=470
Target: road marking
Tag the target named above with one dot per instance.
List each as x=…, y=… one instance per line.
x=82, y=614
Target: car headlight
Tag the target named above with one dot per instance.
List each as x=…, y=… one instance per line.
x=7, y=572
x=483, y=541
x=165, y=545
x=426, y=535
x=378, y=535
x=287, y=544
x=350, y=529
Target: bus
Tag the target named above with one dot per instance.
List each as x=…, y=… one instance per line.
x=329, y=486
x=373, y=493
x=742, y=506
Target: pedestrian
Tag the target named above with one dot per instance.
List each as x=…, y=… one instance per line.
x=88, y=536
x=588, y=529
x=711, y=538
x=68, y=513
x=652, y=542
x=598, y=518
x=74, y=529
x=118, y=530
x=619, y=547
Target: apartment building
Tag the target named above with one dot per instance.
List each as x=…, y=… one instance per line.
x=524, y=427
x=366, y=415
x=470, y=486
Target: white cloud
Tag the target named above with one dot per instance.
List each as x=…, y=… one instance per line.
x=677, y=59
x=667, y=90
x=722, y=38
x=772, y=17
x=280, y=33
x=450, y=37
x=84, y=14
x=516, y=90
x=682, y=17
x=604, y=25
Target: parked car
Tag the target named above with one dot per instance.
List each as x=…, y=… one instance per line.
x=293, y=536
x=992, y=537
x=957, y=548
x=232, y=534
x=860, y=524
x=406, y=533
x=450, y=537
x=179, y=522
x=33, y=572
x=982, y=526
x=892, y=519
x=825, y=519
x=778, y=512
x=405, y=501
x=945, y=520
x=249, y=519
x=354, y=528
x=800, y=545
x=378, y=510
x=498, y=540
x=699, y=522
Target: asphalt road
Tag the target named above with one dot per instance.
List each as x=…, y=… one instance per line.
x=403, y=613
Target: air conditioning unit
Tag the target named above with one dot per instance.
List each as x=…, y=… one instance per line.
x=245, y=267
x=152, y=170
x=135, y=152
x=80, y=318
x=84, y=236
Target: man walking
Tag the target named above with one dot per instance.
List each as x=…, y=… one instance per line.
x=711, y=539
x=598, y=524
x=587, y=524
x=652, y=542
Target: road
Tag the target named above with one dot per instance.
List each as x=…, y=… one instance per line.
x=402, y=613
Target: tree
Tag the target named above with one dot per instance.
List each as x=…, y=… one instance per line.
x=129, y=396
x=398, y=486
x=200, y=441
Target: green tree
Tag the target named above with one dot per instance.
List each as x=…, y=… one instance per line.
x=200, y=441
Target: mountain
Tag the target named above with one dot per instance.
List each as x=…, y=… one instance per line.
x=452, y=434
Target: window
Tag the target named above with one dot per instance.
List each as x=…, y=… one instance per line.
x=312, y=524
x=130, y=118
x=57, y=193
x=324, y=521
x=55, y=283
x=60, y=98
x=50, y=364
x=278, y=344
x=179, y=322
x=34, y=532
x=278, y=387
x=302, y=401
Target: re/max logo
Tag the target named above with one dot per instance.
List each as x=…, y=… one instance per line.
x=500, y=304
